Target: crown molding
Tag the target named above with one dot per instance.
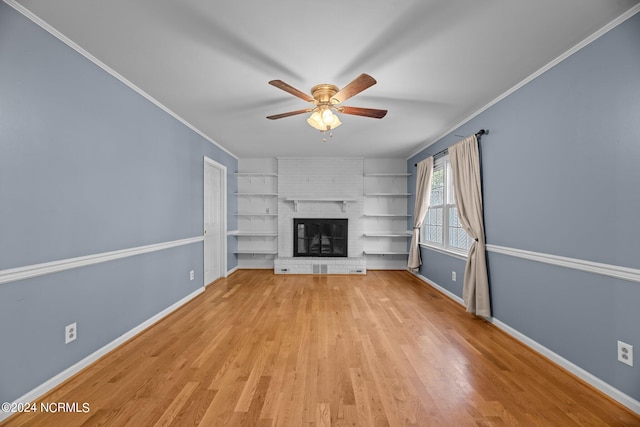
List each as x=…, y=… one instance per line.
x=66, y=40
x=602, y=31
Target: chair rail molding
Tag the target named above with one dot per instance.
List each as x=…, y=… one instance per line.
x=615, y=271
x=29, y=271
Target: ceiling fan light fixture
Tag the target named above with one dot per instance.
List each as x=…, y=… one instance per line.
x=323, y=121
x=325, y=97
x=327, y=116
x=335, y=122
x=315, y=121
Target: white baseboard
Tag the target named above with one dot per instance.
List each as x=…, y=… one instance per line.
x=587, y=377
x=43, y=388
x=233, y=270
x=447, y=292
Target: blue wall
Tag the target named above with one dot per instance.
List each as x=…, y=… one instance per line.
x=87, y=166
x=560, y=176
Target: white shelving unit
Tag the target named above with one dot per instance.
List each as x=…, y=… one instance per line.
x=385, y=197
x=257, y=215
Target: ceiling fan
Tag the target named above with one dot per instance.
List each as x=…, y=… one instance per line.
x=326, y=98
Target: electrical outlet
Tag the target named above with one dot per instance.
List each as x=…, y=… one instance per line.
x=192, y=275
x=453, y=276
x=70, y=333
x=625, y=353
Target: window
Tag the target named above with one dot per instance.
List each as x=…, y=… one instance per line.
x=441, y=227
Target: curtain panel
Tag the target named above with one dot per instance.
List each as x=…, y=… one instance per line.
x=423, y=196
x=465, y=167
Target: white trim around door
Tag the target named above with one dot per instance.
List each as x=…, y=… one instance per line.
x=221, y=215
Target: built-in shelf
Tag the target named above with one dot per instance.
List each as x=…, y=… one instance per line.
x=297, y=200
x=387, y=215
x=387, y=174
x=254, y=214
x=319, y=199
x=257, y=235
x=387, y=194
x=256, y=252
x=257, y=194
x=386, y=253
x=255, y=174
x=389, y=234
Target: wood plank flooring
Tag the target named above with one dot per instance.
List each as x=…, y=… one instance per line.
x=258, y=349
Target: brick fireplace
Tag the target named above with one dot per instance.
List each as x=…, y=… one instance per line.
x=320, y=189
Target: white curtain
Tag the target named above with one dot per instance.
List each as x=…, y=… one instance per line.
x=465, y=167
x=423, y=196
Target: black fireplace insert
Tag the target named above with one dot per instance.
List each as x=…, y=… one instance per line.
x=319, y=237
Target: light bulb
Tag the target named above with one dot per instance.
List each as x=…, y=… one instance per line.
x=315, y=120
x=327, y=117
x=324, y=120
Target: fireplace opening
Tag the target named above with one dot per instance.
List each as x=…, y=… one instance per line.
x=319, y=237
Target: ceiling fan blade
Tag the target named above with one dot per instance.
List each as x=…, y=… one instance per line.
x=360, y=83
x=292, y=90
x=290, y=113
x=366, y=112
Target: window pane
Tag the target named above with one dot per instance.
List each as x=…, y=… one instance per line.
x=441, y=225
x=433, y=225
x=435, y=234
x=437, y=187
x=458, y=238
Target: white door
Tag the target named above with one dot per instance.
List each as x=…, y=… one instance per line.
x=215, y=224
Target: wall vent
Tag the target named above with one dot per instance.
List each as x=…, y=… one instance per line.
x=320, y=269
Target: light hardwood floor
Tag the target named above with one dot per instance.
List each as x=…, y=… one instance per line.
x=258, y=349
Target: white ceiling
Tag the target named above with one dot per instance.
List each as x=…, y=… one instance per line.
x=436, y=61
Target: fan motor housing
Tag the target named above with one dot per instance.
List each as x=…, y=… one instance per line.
x=323, y=92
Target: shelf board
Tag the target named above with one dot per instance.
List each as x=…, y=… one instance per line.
x=387, y=215
x=256, y=234
x=387, y=194
x=257, y=194
x=319, y=199
x=254, y=214
x=390, y=174
x=388, y=234
x=385, y=253
x=255, y=174
x=256, y=252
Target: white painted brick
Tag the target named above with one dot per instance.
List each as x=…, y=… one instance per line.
x=322, y=178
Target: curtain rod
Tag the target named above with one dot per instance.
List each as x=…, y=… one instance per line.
x=446, y=150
